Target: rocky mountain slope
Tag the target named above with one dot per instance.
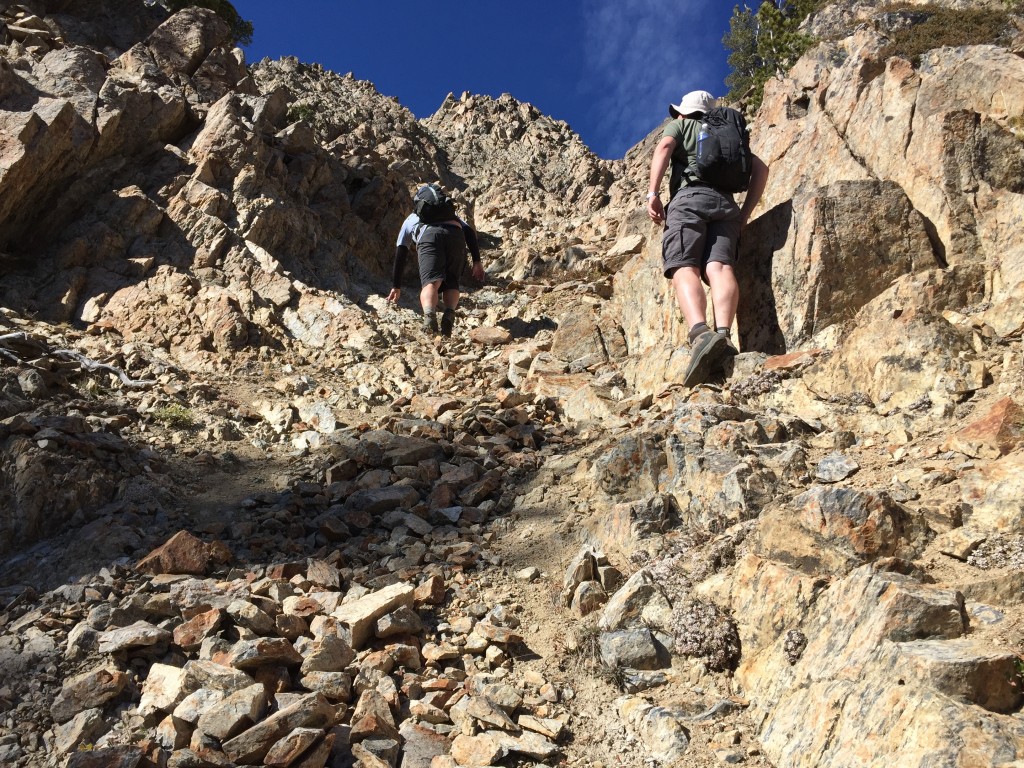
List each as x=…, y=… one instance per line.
x=251, y=515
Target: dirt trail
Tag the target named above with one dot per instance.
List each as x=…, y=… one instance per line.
x=206, y=477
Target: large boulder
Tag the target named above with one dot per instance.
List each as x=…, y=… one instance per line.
x=914, y=359
x=849, y=241
x=832, y=530
x=876, y=653
x=939, y=131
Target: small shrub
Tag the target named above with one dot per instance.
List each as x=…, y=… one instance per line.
x=175, y=416
x=944, y=27
x=700, y=628
x=1003, y=551
x=303, y=112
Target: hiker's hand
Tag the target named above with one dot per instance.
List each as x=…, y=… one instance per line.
x=655, y=210
x=478, y=271
x=393, y=296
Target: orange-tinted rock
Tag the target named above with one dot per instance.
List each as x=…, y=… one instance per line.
x=191, y=634
x=791, y=361
x=184, y=553
x=997, y=433
x=373, y=726
x=490, y=335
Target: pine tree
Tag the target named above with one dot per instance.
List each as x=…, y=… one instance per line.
x=744, y=63
x=764, y=43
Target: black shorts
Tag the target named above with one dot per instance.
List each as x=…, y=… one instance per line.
x=701, y=225
x=441, y=251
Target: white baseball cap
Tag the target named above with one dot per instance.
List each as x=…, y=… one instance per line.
x=694, y=101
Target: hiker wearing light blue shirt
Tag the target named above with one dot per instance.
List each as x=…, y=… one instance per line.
x=441, y=255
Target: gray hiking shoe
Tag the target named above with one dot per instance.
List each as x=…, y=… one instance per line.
x=726, y=363
x=447, y=322
x=706, y=354
x=430, y=323
x=730, y=350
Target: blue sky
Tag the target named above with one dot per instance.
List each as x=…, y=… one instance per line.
x=609, y=68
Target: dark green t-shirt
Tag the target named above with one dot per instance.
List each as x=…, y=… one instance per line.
x=685, y=132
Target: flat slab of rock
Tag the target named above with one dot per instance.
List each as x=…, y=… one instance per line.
x=208, y=674
x=360, y=616
x=251, y=746
x=995, y=491
x=432, y=406
x=87, y=691
x=835, y=467
x=262, y=652
x=998, y=432
x=107, y=757
x=141, y=634
x=964, y=669
x=375, y=501
x=490, y=335
x=235, y=713
x=421, y=745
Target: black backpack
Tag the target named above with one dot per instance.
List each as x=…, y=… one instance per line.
x=432, y=205
x=723, y=157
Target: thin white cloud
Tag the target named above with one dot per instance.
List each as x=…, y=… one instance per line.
x=640, y=56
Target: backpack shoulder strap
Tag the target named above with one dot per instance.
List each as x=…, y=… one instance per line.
x=417, y=231
x=682, y=167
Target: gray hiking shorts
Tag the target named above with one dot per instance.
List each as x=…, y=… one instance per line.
x=441, y=252
x=701, y=225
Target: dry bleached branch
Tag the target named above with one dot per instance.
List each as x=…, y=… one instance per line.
x=92, y=365
x=69, y=354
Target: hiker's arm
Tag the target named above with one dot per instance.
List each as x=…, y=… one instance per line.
x=758, y=181
x=397, y=272
x=660, y=161
x=474, y=249
x=471, y=242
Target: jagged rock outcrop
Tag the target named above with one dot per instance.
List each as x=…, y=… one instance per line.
x=80, y=118
x=183, y=259
x=350, y=117
x=524, y=180
x=933, y=130
x=532, y=179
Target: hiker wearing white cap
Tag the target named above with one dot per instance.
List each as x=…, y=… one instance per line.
x=708, y=149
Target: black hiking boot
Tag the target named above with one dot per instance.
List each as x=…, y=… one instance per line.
x=430, y=323
x=447, y=322
x=706, y=353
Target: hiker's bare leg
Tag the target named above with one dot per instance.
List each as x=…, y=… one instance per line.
x=428, y=296
x=725, y=293
x=451, y=298
x=690, y=296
